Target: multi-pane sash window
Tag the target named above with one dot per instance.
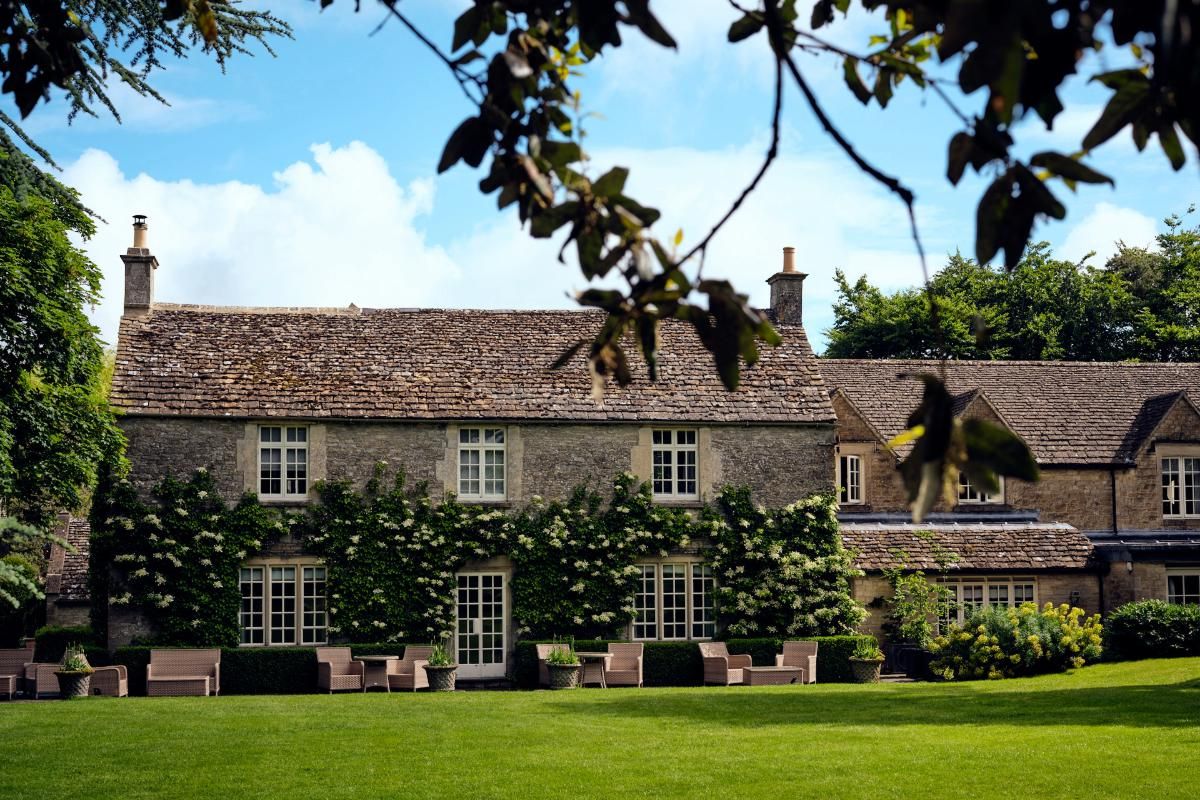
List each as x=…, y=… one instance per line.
x=674, y=461
x=284, y=604
x=1183, y=587
x=704, y=618
x=969, y=596
x=283, y=461
x=674, y=601
x=1181, y=486
x=850, y=479
x=481, y=463
x=645, y=603
x=967, y=493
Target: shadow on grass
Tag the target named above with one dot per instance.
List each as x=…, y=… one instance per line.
x=1151, y=706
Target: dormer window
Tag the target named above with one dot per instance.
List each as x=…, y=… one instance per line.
x=971, y=494
x=849, y=480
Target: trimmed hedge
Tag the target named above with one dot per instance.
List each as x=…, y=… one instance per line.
x=1152, y=629
x=52, y=641
x=679, y=664
x=253, y=670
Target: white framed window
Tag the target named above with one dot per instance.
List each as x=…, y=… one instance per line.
x=704, y=618
x=968, y=493
x=283, y=462
x=284, y=604
x=1180, y=486
x=969, y=595
x=674, y=602
x=1183, y=586
x=674, y=457
x=849, y=479
x=481, y=462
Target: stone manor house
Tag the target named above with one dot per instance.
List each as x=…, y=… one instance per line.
x=272, y=400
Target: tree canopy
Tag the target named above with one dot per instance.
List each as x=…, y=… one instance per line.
x=1143, y=305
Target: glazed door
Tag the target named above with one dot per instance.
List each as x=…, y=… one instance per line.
x=481, y=622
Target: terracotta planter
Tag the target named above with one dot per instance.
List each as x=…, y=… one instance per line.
x=441, y=679
x=563, y=676
x=74, y=684
x=866, y=670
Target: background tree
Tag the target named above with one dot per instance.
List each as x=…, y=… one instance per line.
x=1143, y=305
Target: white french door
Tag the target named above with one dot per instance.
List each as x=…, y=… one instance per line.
x=481, y=615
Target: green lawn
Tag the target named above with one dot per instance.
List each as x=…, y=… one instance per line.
x=1124, y=730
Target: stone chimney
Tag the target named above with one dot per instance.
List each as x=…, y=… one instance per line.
x=787, y=291
x=139, y=271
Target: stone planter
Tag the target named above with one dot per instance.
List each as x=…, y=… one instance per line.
x=866, y=670
x=74, y=684
x=563, y=676
x=441, y=679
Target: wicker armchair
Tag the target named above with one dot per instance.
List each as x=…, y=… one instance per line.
x=544, y=650
x=409, y=672
x=625, y=667
x=802, y=655
x=40, y=680
x=111, y=681
x=719, y=666
x=13, y=663
x=173, y=673
x=337, y=670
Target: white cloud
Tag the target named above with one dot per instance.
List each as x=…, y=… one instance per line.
x=1101, y=231
x=336, y=230
x=340, y=229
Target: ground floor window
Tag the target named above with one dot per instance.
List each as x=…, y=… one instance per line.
x=1183, y=586
x=969, y=595
x=674, y=601
x=283, y=604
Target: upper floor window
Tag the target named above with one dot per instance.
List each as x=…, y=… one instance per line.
x=968, y=493
x=1183, y=586
x=674, y=601
x=283, y=604
x=674, y=454
x=1180, y=486
x=481, y=463
x=849, y=479
x=283, y=461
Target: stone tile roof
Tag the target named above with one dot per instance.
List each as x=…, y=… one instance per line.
x=435, y=364
x=1028, y=546
x=74, y=583
x=1068, y=412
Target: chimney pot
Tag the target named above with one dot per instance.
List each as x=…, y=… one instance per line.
x=139, y=230
x=789, y=259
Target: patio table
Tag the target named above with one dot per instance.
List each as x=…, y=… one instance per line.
x=771, y=676
x=597, y=661
x=375, y=671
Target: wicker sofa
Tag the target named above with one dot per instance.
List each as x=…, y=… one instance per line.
x=174, y=673
x=13, y=663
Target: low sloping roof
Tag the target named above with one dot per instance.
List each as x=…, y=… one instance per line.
x=435, y=364
x=1067, y=412
x=982, y=546
x=67, y=571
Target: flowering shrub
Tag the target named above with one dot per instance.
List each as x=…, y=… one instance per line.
x=1013, y=642
x=576, y=572
x=177, y=559
x=782, y=572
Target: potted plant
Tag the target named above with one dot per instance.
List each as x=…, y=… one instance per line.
x=563, y=665
x=75, y=677
x=866, y=662
x=441, y=669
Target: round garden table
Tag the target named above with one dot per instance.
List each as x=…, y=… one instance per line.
x=375, y=671
x=597, y=662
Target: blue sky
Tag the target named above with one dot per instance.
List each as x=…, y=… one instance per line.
x=310, y=179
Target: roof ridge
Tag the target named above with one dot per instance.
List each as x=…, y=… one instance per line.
x=1002, y=361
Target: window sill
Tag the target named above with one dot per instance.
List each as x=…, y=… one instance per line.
x=275, y=500
x=671, y=502
x=487, y=502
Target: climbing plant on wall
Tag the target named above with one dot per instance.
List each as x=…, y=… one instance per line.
x=177, y=558
x=781, y=572
x=575, y=561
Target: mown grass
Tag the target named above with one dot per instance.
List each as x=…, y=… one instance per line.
x=1120, y=730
